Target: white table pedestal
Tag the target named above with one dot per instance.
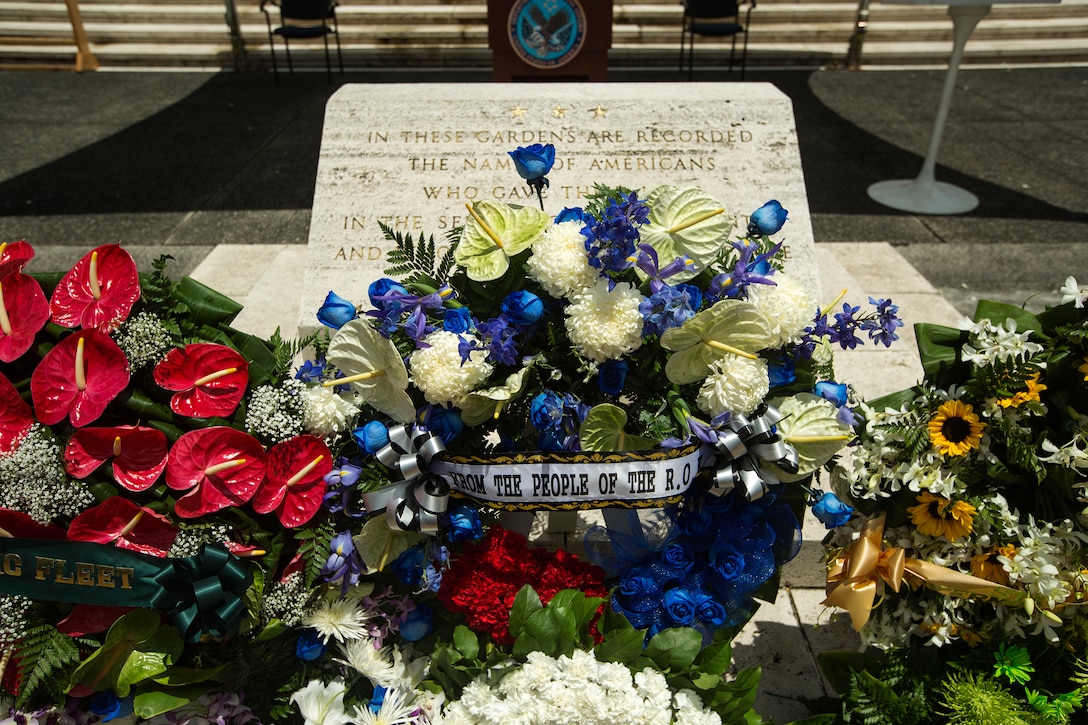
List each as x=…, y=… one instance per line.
x=924, y=194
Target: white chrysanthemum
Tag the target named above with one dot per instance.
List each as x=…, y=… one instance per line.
x=325, y=412
x=377, y=664
x=603, y=324
x=737, y=384
x=341, y=620
x=788, y=306
x=439, y=374
x=398, y=708
x=559, y=261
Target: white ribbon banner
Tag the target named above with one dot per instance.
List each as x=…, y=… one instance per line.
x=573, y=480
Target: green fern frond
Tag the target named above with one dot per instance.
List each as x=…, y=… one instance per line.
x=415, y=261
x=46, y=657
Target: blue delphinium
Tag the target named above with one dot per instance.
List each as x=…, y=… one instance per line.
x=311, y=371
x=882, y=327
x=611, y=240
x=669, y=307
x=557, y=419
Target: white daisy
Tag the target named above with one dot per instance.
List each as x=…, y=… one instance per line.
x=398, y=708
x=341, y=620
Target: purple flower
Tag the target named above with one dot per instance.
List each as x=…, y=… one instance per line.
x=533, y=162
x=882, y=328
x=747, y=271
x=522, y=308
x=311, y=371
x=343, y=563
x=767, y=219
x=829, y=510
x=647, y=262
x=669, y=307
x=610, y=242
x=611, y=376
x=336, y=311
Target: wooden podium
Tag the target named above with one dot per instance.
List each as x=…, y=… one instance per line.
x=558, y=40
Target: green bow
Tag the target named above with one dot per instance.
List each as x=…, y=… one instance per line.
x=203, y=593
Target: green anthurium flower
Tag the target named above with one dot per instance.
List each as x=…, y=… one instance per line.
x=494, y=233
x=686, y=220
x=602, y=431
x=482, y=405
x=373, y=368
x=811, y=425
x=730, y=326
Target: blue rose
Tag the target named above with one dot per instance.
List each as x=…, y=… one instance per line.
x=836, y=393
x=309, y=646
x=637, y=582
x=533, y=162
x=108, y=706
x=523, y=308
x=457, y=320
x=408, y=567
x=463, y=524
x=611, y=376
x=574, y=214
x=336, y=312
x=831, y=511
x=382, y=287
x=679, y=607
x=726, y=562
x=372, y=437
x=767, y=219
x=443, y=422
x=679, y=556
x=418, y=624
x=695, y=295
x=781, y=372
x=709, y=611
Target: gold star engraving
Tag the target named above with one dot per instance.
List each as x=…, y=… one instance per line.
x=598, y=112
x=559, y=111
x=517, y=111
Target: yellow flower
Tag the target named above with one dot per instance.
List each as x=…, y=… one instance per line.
x=1031, y=394
x=955, y=429
x=939, y=516
x=986, y=566
x=971, y=637
x=1084, y=368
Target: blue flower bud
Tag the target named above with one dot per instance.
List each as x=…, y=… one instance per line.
x=443, y=422
x=767, y=219
x=574, y=214
x=611, y=376
x=781, y=372
x=372, y=437
x=336, y=311
x=523, y=308
x=309, y=646
x=108, y=705
x=836, y=393
x=533, y=162
x=830, y=511
x=381, y=287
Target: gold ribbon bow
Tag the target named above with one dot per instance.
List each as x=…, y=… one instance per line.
x=861, y=571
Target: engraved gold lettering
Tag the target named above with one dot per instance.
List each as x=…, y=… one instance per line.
x=354, y=222
x=429, y=164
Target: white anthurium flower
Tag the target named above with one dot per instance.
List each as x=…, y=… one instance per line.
x=483, y=405
x=322, y=704
x=730, y=326
x=811, y=425
x=493, y=233
x=685, y=221
x=373, y=368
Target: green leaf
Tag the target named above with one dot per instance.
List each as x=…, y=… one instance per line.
x=837, y=665
x=938, y=347
x=466, y=642
x=825, y=719
x=622, y=646
x=685, y=220
x=136, y=635
x=602, y=431
x=206, y=306
x=179, y=676
x=734, y=700
x=998, y=312
x=379, y=545
x=44, y=656
x=706, y=681
x=715, y=658
x=674, y=649
x=546, y=629
x=735, y=324
x=525, y=604
x=515, y=227
x=149, y=704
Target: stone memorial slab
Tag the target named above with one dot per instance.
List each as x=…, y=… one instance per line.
x=412, y=155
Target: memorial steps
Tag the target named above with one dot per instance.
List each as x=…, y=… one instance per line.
x=453, y=34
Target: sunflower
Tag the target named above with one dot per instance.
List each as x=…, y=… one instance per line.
x=939, y=516
x=1034, y=387
x=955, y=428
x=986, y=566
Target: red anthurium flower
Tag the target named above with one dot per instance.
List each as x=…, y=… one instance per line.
x=122, y=523
x=99, y=291
x=14, y=256
x=78, y=378
x=17, y=525
x=138, y=453
x=15, y=416
x=222, y=465
x=210, y=379
x=294, y=483
x=87, y=619
x=23, y=311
